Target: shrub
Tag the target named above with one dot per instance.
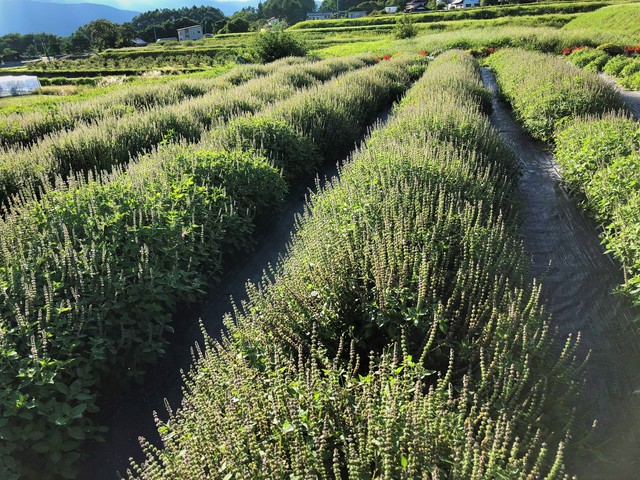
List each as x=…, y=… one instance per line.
x=615, y=66
x=290, y=152
x=630, y=69
x=275, y=43
x=546, y=91
x=586, y=56
x=405, y=27
x=611, y=49
x=600, y=159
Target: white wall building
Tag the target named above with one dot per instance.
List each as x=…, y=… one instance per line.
x=194, y=32
x=319, y=15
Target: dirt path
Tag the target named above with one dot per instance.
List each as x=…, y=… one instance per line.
x=578, y=280
x=130, y=414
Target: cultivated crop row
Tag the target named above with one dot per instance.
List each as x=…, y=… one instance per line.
x=91, y=272
x=545, y=90
x=400, y=337
x=25, y=129
x=113, y=141
x=600, y=159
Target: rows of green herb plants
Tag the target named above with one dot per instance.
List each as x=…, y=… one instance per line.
x=619, y=61
x=26, y=128
x=91, y=272
x=545, y=90
x=453, y=15
x=400, y=337
x=600, y=159
x=113, y=141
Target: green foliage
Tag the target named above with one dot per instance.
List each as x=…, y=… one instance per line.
x=110, y=136
x=136, y=247
x=275, y=43
x=600, y=159
x=545, y=91
x=405, y=27
x=615, y=19
x=290, y=152
x=612, y=49
x=461, y=14
x=291, y=11
x=616, y=64
x=90, y=272
x=592, y=60
x=400, y=337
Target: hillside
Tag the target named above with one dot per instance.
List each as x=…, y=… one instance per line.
x=28, y=16
x=621, y=19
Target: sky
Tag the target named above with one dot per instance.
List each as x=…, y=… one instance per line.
x=144, y=5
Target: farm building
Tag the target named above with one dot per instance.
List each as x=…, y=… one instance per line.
x=414, y=6
x=195, y=32
x=358, y=14
x=319, y=15
x=455, y=4
x=390, y=9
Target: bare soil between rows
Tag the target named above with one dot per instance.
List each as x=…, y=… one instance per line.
x=579, y=280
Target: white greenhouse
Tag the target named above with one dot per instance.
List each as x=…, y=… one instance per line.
x=21, y=85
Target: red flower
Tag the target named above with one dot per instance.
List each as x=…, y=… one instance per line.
x=566, y=51
x=423, y=53
x=387, y=57
x=377, y=58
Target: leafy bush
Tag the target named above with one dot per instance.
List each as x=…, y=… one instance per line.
x=630, y=69
x=600, y=159
x=274, y=43
x=611, y=49
x=290, y=152
x=632, y=82
x=156, y=235
x=615, y=66
x=545, y=91
x=586, y=56
x=405, y=27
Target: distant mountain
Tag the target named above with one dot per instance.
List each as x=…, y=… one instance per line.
x=228, y=7
x=29, y=16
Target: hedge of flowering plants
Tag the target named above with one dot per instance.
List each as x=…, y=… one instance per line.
x=600, y=159
x=90, y=272
x=25, y=129
x=619, y=61
x=401, y=336
x=545, y=91
x=103, y=145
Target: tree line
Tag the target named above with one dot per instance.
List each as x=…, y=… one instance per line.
x=149, y=26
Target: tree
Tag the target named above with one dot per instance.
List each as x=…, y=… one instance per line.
x=103, y=34
x=126, y=34
x=79, y=41
x=292, y=11
x=275, y=43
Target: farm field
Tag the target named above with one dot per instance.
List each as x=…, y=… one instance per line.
x=439, y=306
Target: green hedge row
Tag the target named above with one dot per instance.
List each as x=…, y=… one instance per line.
x=600, y=159
x=25, y=129
x=400, y=337
x=93, y=147
x=546, y=91
x=610, y=59
x=90, y=273
x=464, y=14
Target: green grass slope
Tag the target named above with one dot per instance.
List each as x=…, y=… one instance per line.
x=619, y=19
